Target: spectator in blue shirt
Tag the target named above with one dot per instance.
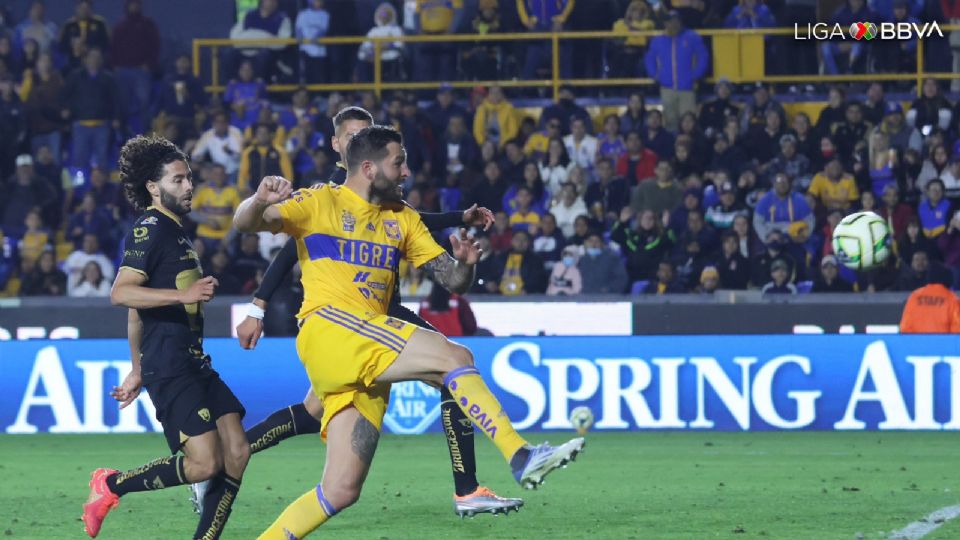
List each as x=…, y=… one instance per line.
x=244, y=96
x=934, y=210
x=854, y=53
x=750, y=14
x=545, y=16
x=899, y=55
x=779, y=208
x=301, y=145
x=676, y=61
x=268, y=21
x=313, y=23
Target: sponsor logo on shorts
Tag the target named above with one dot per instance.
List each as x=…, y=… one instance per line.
x=204, y=414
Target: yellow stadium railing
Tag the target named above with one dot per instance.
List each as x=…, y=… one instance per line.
x=738, y=55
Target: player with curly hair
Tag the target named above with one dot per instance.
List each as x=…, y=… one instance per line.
x=160, y=282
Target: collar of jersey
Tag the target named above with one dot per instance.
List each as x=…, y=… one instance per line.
x=167, y=213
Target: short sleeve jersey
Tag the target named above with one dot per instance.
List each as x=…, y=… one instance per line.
x=158, y=248
x=349, y=249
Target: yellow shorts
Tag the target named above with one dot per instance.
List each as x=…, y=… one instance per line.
x=343, y=352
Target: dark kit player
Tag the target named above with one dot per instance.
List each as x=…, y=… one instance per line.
x=160, y=282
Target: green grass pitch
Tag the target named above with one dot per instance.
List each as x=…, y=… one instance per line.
x=626, y=485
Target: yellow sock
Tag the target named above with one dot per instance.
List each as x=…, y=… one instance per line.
x=300, y=518
x=479, y=404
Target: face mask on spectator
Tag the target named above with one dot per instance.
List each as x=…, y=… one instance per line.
x=569, y=261
x=594, y=251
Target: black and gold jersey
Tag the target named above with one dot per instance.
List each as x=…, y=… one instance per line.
x=159, y=248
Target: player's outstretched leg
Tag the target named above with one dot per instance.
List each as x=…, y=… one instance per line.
x=108, y=485
x=469, y=496
x=351, y=443
x=430, y=357
x=299, y=419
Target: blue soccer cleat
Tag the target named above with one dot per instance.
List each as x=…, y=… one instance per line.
x=544, y=459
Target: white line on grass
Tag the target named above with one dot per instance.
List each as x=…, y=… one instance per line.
x=920, y=528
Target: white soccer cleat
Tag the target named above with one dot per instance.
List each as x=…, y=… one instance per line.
x=544, y=459
x=484, y=501
x=197, y=492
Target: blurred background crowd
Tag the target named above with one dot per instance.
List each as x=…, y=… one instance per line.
x=679, y=186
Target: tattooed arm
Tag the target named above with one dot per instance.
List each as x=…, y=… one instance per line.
x=450, y=273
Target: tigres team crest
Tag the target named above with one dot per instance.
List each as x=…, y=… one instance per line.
x=394, y=323
x=392, y=228
x=204, y=414
x=349, y=221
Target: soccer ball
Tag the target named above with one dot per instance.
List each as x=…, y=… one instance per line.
x=862, y=241
x=582, y=419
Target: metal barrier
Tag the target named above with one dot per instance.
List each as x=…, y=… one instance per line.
x=739, y=67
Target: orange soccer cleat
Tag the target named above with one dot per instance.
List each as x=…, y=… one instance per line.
x=99, y=503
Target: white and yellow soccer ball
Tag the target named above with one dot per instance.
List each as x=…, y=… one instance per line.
x=582, y=419
x=862, y=241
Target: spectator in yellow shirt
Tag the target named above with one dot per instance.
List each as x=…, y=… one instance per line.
x=630, y=51
x=437, y=60
x=833, y=188
x=213, y=207
x=496, y=119
x=262, y=158
x=538, y=144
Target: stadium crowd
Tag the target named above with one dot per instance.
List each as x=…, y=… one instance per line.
x=710, y=188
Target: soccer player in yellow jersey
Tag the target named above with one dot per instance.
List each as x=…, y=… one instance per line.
x=348, y=240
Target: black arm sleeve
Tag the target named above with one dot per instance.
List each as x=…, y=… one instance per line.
x=438, y=222
x=279, y=269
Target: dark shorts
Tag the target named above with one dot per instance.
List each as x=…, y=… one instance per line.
x=398, y=311
x=190, y=405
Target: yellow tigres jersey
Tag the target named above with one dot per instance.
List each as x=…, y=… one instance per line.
x=349, y=249
x=220, y=205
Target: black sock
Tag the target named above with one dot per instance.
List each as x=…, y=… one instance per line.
x=282, y=424
x=217, y=505
x=459, y=431
x=158, y=474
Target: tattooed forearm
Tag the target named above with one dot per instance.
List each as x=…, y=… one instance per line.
x=364, y=440
x=451, y=274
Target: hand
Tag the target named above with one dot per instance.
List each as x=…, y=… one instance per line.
x=201, y=291
x=465, y=249
x=128, y=390
x=532, y=23
x=273, y=189
x=249, y=332
x=626, y=214
x=478, y=217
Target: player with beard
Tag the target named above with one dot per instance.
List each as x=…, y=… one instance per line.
x=304, y=418
x=348, y=238
x=160, y=282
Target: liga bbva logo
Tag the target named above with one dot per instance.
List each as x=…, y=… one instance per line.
x=413, y=407
x=867, y=31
